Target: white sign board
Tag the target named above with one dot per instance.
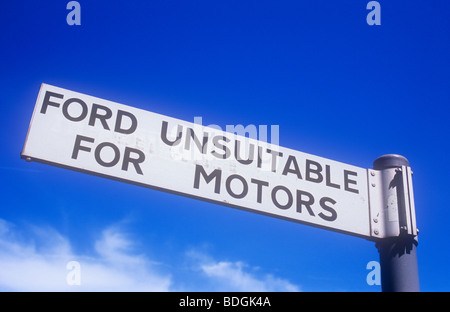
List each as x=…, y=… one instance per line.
x=96, y=136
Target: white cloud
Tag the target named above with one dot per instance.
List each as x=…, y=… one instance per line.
x=238, y=276
x=39, y=262
x=234, y=275
x=29, y=266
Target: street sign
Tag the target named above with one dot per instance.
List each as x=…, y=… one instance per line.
x=104, y=138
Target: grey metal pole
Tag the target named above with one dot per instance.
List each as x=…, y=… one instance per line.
x=398, y=257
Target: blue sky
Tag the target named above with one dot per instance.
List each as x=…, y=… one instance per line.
x=337, y=88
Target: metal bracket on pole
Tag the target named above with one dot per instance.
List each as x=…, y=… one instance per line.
x=408, y=200
x=391, y=201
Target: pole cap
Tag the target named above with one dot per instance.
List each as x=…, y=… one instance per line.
x=390, y=161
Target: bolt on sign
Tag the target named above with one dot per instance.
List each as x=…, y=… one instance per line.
x=111, y=140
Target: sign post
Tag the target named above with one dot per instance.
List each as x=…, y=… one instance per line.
x=398, y=258
x=92, y=135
